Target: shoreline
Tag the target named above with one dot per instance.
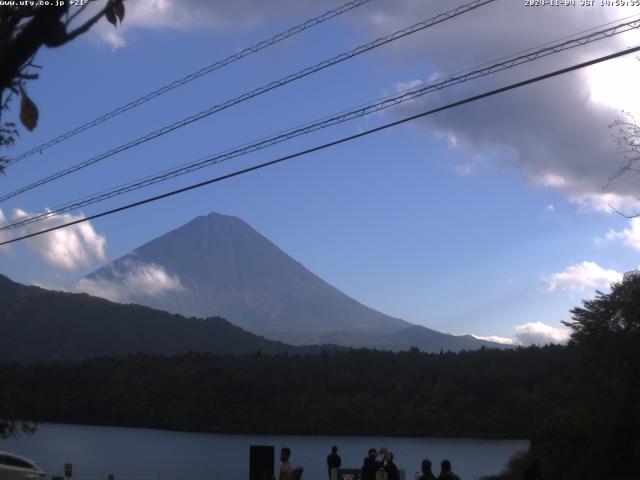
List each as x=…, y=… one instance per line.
x=282, y=434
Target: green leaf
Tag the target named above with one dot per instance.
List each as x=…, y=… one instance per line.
x=28, y=111
x=110, y=15
x=118, y=7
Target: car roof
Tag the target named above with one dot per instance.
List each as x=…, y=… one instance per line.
x=15, y=455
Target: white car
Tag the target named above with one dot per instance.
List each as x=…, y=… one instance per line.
x=15, y=467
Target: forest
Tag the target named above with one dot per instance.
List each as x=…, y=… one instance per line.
x=486, y=393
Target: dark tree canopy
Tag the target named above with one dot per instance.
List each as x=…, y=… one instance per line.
x=597, y=433
x=484, y=393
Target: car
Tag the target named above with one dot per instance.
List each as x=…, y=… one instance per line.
x=15, y=467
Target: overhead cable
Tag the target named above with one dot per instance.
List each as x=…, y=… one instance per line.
x=329, y=144
x=254, y=93
x=312, y=22
x=361, y=111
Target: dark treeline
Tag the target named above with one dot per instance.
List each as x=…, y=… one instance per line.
x=485, y=393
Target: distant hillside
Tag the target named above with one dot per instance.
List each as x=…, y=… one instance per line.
x=219, y=265
x=39, y=324
x=425, y=339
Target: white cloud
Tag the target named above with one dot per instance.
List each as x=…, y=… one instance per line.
x=538, y=333
x=549, y=179
x=605, y=202
x=630, y=236
x=185, y=15
x=557, y=130
x=69, y=248
x=622, y=73
x=411, y=84
x=550, y=207
x=3, y=235
x=139, y=279
x=496, y=339
x=581, y=276
x=533, y=333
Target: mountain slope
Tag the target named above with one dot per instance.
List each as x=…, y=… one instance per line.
x=229, y=269
x=219, y=265
x=38, y=324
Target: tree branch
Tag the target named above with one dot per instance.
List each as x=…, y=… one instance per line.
x=78, y=12
x=87, y=25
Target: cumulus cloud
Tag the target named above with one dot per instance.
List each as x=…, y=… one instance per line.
x=556, y=130
x=70, y=248
x=630, y=236
x=137, y=280
x=3, y=235
x=533, y=333
x=538, y=333
x=496, y=339
x=410, y=85
x=581, y=276
x=197, y=14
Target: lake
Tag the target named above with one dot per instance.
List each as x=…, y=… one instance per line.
x=163, y=455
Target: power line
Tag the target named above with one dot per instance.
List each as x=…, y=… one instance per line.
x=331, y=144
x=254, y=93
x=387, y=102
x=312, y=22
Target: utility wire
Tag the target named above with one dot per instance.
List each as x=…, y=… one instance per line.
x=332, y=144
x=312, y=22
x=254, y=93
x=326, y=122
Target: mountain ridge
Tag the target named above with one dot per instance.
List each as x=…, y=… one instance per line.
x=40, y=325
x=225, y=267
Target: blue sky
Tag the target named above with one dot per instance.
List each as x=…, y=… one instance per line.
x=490, y=219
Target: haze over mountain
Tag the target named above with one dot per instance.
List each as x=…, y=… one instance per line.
x=217, y=265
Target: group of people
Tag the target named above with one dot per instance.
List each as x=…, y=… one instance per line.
x=379, y=461
x=446, y=473
x=376, y=461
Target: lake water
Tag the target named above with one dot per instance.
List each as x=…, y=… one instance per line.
x=163, y=455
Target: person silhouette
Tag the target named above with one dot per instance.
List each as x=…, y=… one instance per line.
x=286, y=470
x=425, y=468
x=445, y=471
x=333, y=460
x=370, y=465
x=390, y=468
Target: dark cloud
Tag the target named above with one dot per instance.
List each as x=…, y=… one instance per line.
x=554, y=130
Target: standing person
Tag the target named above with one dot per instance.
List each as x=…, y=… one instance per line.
x=446, y=473
x=390, y=468
x=286, y=470
x=427, y=474
x=333, y=460
x=370, y=466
